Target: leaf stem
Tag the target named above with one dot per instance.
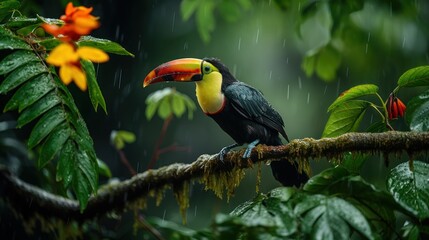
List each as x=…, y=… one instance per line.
x=384, y=116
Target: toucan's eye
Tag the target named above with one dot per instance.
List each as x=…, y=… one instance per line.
x=207, y=69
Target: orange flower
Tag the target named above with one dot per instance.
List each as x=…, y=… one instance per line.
x=395, y=107
x=78, y=22
x=67, y=57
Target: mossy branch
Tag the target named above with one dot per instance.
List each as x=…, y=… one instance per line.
x=215, y=174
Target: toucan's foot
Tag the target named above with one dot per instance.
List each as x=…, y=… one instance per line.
x=226, y=149
x=249, y=148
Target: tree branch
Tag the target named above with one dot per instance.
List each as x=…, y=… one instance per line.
x=28, y=199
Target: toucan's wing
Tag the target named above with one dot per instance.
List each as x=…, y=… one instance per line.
x=251, y=104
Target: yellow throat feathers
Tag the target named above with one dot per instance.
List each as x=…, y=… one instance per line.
x=209, y=94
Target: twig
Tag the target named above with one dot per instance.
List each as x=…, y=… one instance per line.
x=28, y=199
x=125, y=161
x=155, y=154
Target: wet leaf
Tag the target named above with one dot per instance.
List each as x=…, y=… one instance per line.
x=103, y=44
x=345, y=118
x=15, y=60
x=30, y=92
x=417, y=113
x=95, y=93
x=21, y=75
x=38, y=108
x=319, y=183
x=85, y=178
x=178, y=105
x=65, y=166
x=45, y=125
x=353, y=162
x=7, y=6
x=11, y=42
x=354, y=92
x=411, y=188
x=53, y=144
x=414, y=77
x=164, y=109
x=49, y=43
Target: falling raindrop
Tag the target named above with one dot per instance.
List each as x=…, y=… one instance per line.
x=372, y=118
x=185, y=46
x=195, y=211
x=239, y=44
x=138, y=167
x=257, y=36
x=299, y=83
x=139, y=43
x=117, y=32
x=338, y=87
x=326, y=88
x=287, y=95
x=403, y=41
x=163, y=215
x=347, y=72
x=308, y=97
x=367, y=43
x=268, y=163
x=234, y=70
x=284, y=43
x=287, y=60
x=271, y=74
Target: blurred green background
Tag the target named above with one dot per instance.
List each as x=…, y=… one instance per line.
x=300, y=54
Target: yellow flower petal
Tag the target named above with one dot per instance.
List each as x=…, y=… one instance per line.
x=62, y=54
x=66, y=74
x=92, y=54
x=79, y=77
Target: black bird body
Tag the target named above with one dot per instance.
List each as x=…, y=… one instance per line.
x=239, y=109
x=246, y=116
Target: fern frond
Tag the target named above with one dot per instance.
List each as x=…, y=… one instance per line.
x=60, y=131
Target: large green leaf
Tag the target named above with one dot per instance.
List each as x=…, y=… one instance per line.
x=168, y=101
x=331, y=218
x=7, y=6
x=95, y=93
x=30, y=92
x=205, y=19
x=85, y=178
x=66, y=163
x=345, y=118
x=16, y=59
x=103, y=44
x=21, y=75
x=188, y=8
x=352, y=93
x=53, y=144
x=417, y=113
x=45, y=125
x=10, y=42
x=38, y=108
x=410, y=188
x=414, y=77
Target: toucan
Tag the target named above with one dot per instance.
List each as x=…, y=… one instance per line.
x=239, y=109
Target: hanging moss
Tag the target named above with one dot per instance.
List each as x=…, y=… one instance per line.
x=181, y=193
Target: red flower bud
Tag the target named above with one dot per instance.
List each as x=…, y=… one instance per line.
x=395, y=107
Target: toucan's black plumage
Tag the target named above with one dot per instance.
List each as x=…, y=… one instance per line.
x=239, y=109
x=247, y=116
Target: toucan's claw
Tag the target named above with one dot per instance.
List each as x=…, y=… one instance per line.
x=226, y=149
x=249, y=148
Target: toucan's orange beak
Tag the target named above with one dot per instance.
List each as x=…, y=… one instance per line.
x=179, y=70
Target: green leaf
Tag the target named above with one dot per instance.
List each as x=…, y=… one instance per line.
x=49, y=43
x=20, y=22
x=11, y=42
x=410, y=188
x=414, y=77
x=151, y=109
x=85, y=178
x=103, y=169
x=318, y=183
x=345, y=118
x=354, y=92
x=30, y=92
x=41, y=106
x=119, y=138
x=21, y=75
x=205, y=19
x=377, y=127
x=16, y=59
x=353, y=162
x=188, y=7
x=229, y=10
x=53, y=144
x=66, y=163
x=45, y=125
x=103, y=44
x=95, y=93
x=178, y=105
x=6, y=7
x=331, y=218
x=417, y=113
x=164, y=109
